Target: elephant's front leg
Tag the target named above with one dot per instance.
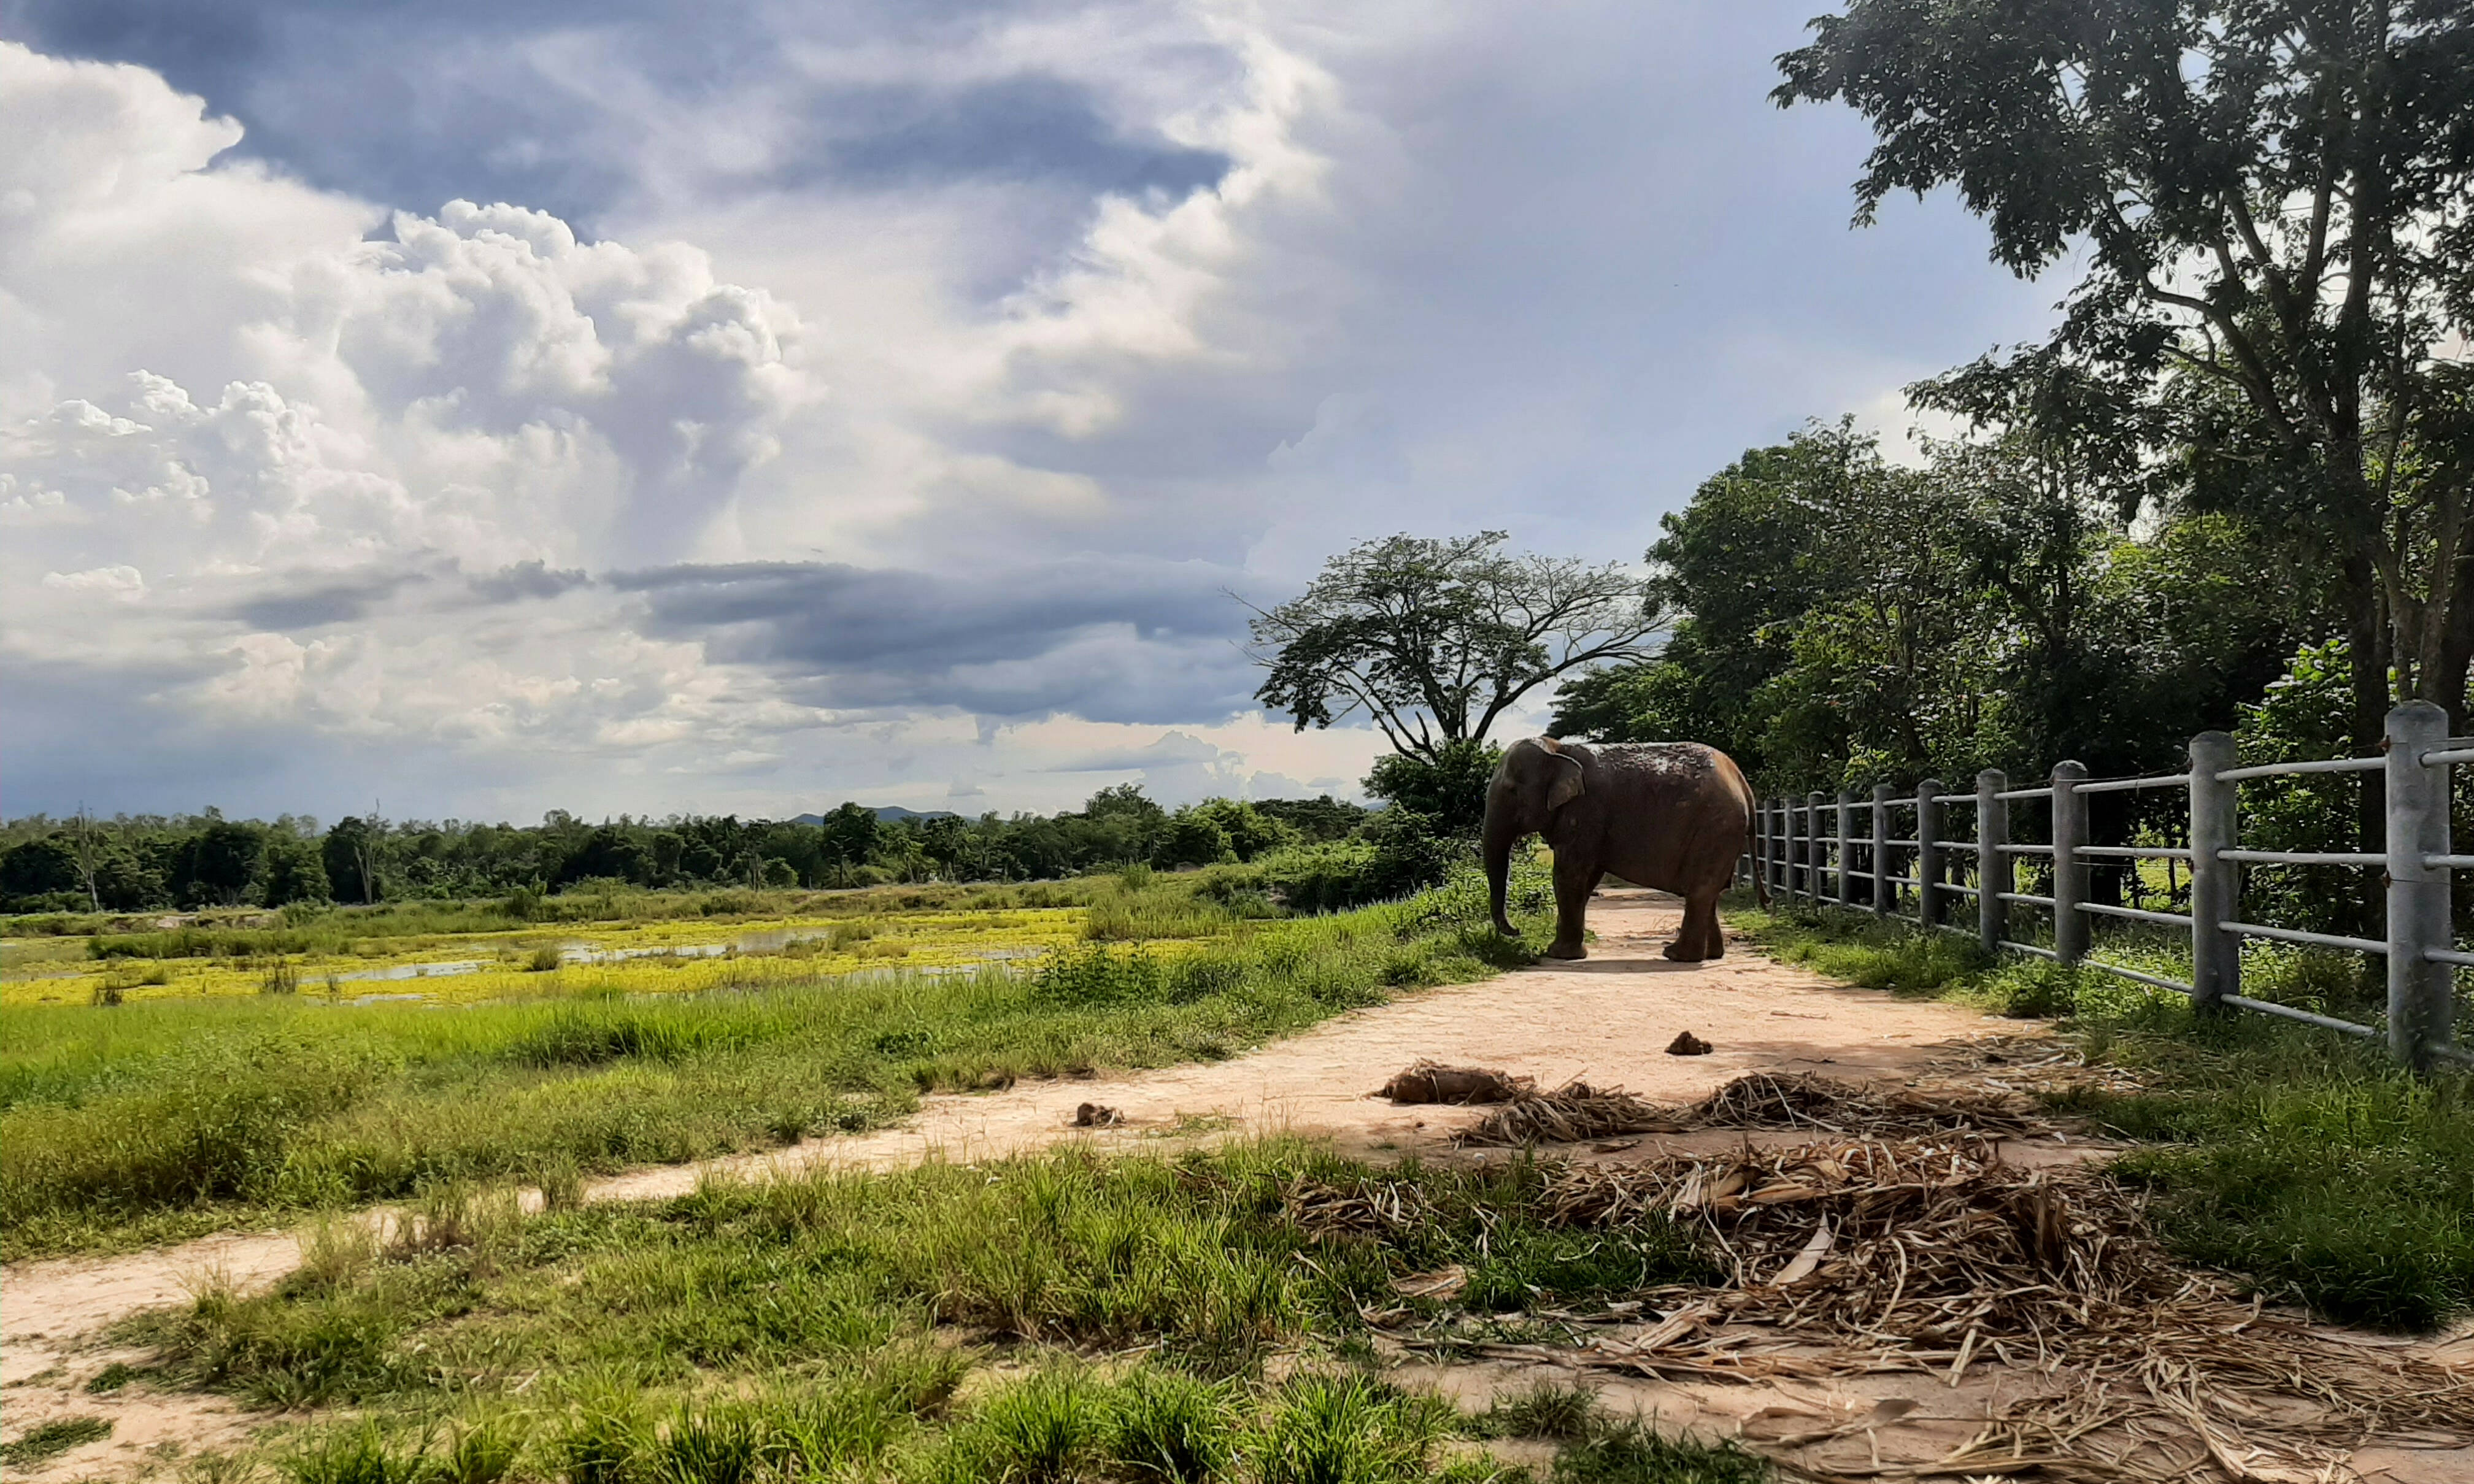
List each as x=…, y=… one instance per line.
x=1573, y=883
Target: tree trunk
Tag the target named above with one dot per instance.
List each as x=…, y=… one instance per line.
x=2368, y=636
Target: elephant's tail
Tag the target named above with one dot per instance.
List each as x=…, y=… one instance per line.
x=1760, y=876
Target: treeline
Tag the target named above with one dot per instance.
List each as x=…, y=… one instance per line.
x=134, y=863
x=1838, y=620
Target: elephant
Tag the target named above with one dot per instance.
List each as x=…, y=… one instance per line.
x=1673, y=816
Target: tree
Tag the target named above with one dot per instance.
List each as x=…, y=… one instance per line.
x=224, y=858
x=295, y=872
x=2280, y=257
x=349, y=852
x=1433, y=640
x=89, y=847
x=1450, y=790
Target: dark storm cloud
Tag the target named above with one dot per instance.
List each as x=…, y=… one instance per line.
x=1024, y=128
x=291, y=605
x=1106, y=640
x=525, y=579
x=413, y=105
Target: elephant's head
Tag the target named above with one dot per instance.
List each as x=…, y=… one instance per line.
x=1535, y=778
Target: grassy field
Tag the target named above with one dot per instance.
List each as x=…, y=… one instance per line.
x=2303, y=1160
x=626, y=942
x=153, y=1118
x=1058, y=1317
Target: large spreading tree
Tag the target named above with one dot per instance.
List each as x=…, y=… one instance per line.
x=1433, y=640
x=2271, y=201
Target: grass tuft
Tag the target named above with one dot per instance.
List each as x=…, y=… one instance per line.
x=49, y=1440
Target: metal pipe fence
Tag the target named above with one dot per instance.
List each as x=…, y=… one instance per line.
x=1911, y=868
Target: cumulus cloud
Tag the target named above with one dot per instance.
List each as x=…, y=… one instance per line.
x=876, y=400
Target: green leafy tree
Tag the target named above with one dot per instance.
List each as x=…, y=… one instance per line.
x=223, y=861
x=1432, y=641
x=349, y=853
x=2269, y=197
x=296, y=870
x=1193, y=838
x=1250, y=830
x=1447, y=789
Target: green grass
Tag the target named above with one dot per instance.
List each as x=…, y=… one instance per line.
x=167, y=1118
x=948, y=1322
x=1195, y=1260
x=2304, y=1160
x=49, y=1440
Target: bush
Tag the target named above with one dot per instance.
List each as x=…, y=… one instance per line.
x=1450, y=790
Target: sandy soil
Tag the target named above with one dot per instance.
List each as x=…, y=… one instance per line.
x=1608, y=1018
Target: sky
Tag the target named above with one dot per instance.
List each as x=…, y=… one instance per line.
x=472, y=410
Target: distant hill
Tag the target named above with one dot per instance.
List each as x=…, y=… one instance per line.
x=891, y=813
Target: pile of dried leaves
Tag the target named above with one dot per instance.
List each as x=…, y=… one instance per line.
x=1855, y=1256
x=1761, y=1100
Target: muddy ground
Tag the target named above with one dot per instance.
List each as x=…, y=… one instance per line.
x=1608, y=1019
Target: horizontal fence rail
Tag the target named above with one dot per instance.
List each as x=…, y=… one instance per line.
x=1895, y=855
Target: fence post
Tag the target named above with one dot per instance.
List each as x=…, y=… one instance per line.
x=2421, y=993
x=1928, y=891
x=1777, y=864
x=1992, y=866
x=2069, y=872
x=1846, y=849
x=2216, y=885
x=1805, y=842
x=1881, y=897
x=1818, y=850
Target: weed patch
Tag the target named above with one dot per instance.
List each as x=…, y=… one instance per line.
x=49, y=1440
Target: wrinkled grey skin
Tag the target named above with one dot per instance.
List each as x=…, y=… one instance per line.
x=1673, y=816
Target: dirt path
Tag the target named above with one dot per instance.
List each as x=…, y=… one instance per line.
x=1608, y=1018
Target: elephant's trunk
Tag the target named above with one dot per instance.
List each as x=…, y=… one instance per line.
x=1500, y=834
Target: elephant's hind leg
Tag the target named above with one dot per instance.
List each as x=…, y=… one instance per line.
x=1700, y=939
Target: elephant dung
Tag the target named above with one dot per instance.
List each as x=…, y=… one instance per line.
x=1688, y=1044
x=1430, y=1081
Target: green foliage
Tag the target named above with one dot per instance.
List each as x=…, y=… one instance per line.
x=2215, y=343
x=1432, y=641
x=1842, y=620
x=1448, y=788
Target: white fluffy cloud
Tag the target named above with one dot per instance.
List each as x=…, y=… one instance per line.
x=916, y=387
x=367, y=504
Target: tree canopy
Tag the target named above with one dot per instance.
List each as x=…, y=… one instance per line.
x=1432, y=641
x=2272, y=197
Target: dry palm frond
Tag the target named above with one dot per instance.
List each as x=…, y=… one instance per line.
x=1852, y=1256
x=1761, y=1100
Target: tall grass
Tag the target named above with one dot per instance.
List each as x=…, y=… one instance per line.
x=2303, y=1160
x=161, y=1118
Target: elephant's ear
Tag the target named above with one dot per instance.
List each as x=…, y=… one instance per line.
x=1566, y=786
